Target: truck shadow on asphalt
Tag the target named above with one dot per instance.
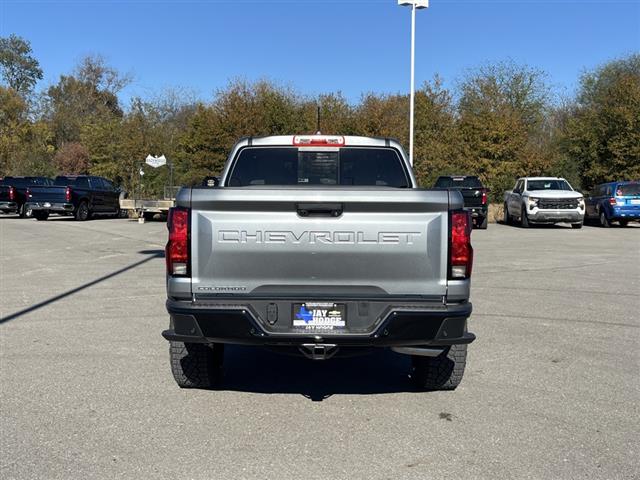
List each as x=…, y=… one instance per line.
x=149, y=255
x=258, y=370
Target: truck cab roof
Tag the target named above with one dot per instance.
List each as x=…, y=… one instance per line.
x=541, y=178
x=317, y=140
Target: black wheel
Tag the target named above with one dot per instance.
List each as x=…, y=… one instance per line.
x=524, y=220
x=484, y=224
x=604, y=221
x=506, y=218
x=148, y=216
x=576, y=225
x=443, y=372
x=624, y=223
x=41, y=215
x=196, y=365
x=82, y=212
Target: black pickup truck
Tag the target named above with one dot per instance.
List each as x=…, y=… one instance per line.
x=13, y=193
x=8, y=199
x=81, y=196
x=473, y=193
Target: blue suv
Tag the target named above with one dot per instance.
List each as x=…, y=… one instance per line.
x=614, y=202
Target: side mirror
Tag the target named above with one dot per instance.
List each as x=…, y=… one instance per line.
x=211, y=182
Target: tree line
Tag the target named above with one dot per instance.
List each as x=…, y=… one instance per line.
x=499, y=121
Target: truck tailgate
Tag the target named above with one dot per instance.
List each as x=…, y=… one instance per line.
x=302, y=241
x=51, y=194
x=472, y=196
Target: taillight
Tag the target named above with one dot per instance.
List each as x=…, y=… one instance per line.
x=12, y=193
x=318, y=140
x=460, y=249
x=67, y=194
x=28, y=193
x=484, y=197
x=612, y=201
x=177, y=251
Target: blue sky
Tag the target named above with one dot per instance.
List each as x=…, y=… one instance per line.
x=320, y=46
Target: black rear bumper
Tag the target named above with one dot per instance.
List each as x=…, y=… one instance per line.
x=54, y=207
x=477, y=211
x=8, y=207
x=399, y=324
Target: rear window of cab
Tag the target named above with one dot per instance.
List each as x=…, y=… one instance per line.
x=282, y=166
x=458, y=182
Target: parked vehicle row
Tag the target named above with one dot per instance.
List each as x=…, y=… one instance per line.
x=533, y=200
x=550, y=200
x=80, y=196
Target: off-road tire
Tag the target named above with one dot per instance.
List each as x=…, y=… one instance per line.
x=443, y=372
x=604, y=222
x=40, y=216
x=524, y=220
x=576, y=225
x=82, y=212
x=196, y=365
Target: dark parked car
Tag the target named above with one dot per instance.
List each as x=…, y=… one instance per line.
x=20, y=186
x=473, y=192
x=614, y=202
x=81, y=196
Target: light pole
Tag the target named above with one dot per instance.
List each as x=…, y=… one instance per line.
x=415, y=5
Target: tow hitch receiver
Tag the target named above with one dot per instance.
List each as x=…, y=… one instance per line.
x=318, y=351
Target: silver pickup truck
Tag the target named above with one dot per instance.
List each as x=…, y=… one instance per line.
x=319, y=245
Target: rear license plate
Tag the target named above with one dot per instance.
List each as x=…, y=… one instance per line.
x=46, y=205
x=319, y=315
x=635, y=201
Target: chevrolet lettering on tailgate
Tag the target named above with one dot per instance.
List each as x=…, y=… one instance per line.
x=313, y=237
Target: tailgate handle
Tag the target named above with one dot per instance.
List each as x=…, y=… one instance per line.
x=319, y=209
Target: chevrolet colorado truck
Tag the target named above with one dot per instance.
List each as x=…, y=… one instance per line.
x=543, y=200
x=319, y=245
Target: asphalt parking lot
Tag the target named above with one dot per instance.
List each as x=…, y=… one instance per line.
x=552, y=388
